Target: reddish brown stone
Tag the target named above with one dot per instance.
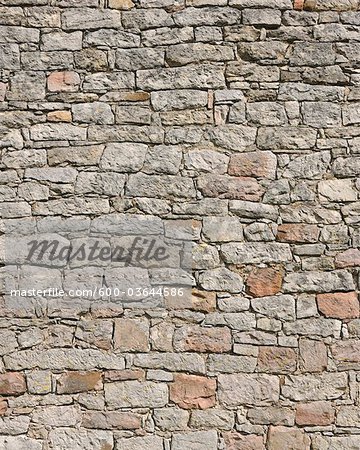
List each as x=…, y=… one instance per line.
x=298, y=232
x=221, y=186
x=314, y=414
x=277, y=359
x=339, y=305
x=12, y=383
x=313, y=355
x=281, y=438
x=131, y=335
x=253, y=164
x=202, y=339
x=348, y=258
x=346, y=354
x=122, y=375
x=203, y=301
x=192, y=391
x=237, y=441
x=63, y=82
x=73, y=382
x=264, y=281
x=110, y=420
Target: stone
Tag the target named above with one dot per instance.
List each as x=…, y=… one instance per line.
x=302, y=233
x=321, y=114
x=346, y=355
x=348, y=258
x=27, y=86
x=278, y=307
x=321, y=282
x=87, y=18
x=221, y=186
x=132, y=394
x=265, y=17
x=131, y=335
x=281, y=138
x=256, y=164
x=58, y=40
x=347, y=416
x=173, y=362
x=61, y=438
x=203, y=75
x=326, y=386
x=96, y=112
x=39, y=382
x=337, y=190
x=227, y=229
x=12, y=383
x=74, y=382
x=201, y=339
x=111, y=420
x=61, y=416
x=266, y=113
x=192, y=391
x=63, y=81
x=255, y=253
x=171, y=419
x=123, y=157
x=285, y=437
x=231, y=363
x=277, y=360
x=9, y=56
x=315, y=414
x=181, y=54
x=275, y=415
x=206, y=161
x=178, y=99
x=233, y=137
x=247, y=389
x=265, y=281
x=215, y=418
x=339, y=305
x=308, y=166
x=221, y=280
x=312, y=355
x=207, y=16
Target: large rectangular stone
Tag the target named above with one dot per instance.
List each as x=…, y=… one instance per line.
x=337, y=280
x=136, y=394
x=88, y=19
x=256, y=253
x=173, y=362
x=326, y=386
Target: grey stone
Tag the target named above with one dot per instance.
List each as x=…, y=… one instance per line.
x=140, y=443
x=174, y=362
x=255, y=253
x=327, y=386
x=207, y=16
x=178, y=99
x=278, y=307
x=139, y=58
x=182, y=54
x=160, y=186
x=124, y=157
x=9, y=56
x=112, y=38
x=309, y=166
x=221, y=279
x=338, y=280
x=248, y=389
x=96, y=112
x=197, y=440
x=87, y=19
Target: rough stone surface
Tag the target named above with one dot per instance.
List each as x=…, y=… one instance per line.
x=231, y=129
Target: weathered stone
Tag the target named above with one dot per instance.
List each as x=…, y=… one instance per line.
x=140, y=185
x=278, y=307
x=61, y=438
x=221, y=280
x=257, y=164
x=225, y=229
x=337, y=190
x=321, y=114
x=212, y=419
x=252, y=389
x=201, y=339
x=313, y=355
x=339, y=305
x=96, y=112
x=314, y=327
x=265, y=281
x=275, y=415
x=181, y=54
x=73, y=382
x=281, y=138
x=139, y=58
x=308, y=166
x=255, y=253
x=171, y=419
x=233, y=137
x=63, y=82
x=87, y=18
x=315, y=414
x=347, y=416
x=327, y=386
x=206, y=161
x=198, y=440
x=9, y=56
x=131, y=335
x=231, y=363
x=338, y=280
x=12, y=383
x=277, y=360
x=62, y=416
x=129, y=394
x=192, y=391
x=284, y=437
x=346, y=355
x=293, y=232
x=174, y=362
x=111, y=420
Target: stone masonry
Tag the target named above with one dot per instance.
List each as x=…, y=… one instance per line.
x=242, y=115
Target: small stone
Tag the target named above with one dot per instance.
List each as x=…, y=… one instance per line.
x=74, y=382
x=202, y=339
x=131, y=335
x=253, y=164
x=265, y=281
x=63, y=82
x=192, y=391
x=198, y=440
x=339, y=305
x=314, y=414
x=39, y=382
x=337, y=190
x=346, y=355
x=285, y=437
x=121, y=4
x=12, y=383
x=277, y=360
x=293, y=232
x=59, y=116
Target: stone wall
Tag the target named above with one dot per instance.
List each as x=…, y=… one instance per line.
x=242, y=115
